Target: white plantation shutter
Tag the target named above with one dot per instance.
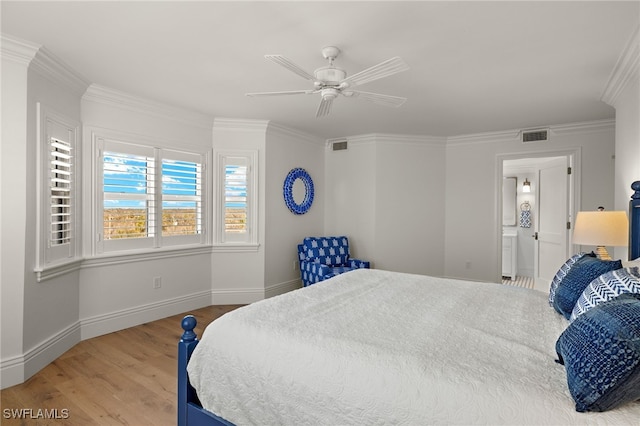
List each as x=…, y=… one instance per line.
x=182, y=194
x=60, y=225
x=58, y=231
x=129, y=195
x=151, y=197
x=236, y=197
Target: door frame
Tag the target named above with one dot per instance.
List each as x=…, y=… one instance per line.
x=574, y=159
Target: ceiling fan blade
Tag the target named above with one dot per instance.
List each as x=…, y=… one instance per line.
x=289, y=92
x=386, y=100
x=288, y=64
x=383, y=69
x=325, y=107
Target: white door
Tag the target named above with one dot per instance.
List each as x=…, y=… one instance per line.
x=552, y=242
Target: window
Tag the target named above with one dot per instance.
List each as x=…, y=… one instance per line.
x=236, y=205
x=128, y=194
x=151, y=197
x=181, y=196
x=60, y=192
x=235, y=198
x=57, y=200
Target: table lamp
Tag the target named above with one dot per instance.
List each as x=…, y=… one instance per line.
x=601, y=228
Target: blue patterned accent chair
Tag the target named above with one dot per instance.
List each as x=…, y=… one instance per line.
x=325, y=257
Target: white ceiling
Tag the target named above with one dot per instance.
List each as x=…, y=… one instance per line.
x=475, y=66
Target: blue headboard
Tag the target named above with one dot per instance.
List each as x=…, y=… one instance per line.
x=634, y=222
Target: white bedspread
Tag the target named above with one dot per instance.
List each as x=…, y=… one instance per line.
x=371, y=347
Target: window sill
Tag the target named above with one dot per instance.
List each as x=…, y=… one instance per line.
x=108, y=259
x=130, y=256
x=52, y=271
x=235, y=248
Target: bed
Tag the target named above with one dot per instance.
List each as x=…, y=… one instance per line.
x=377, y=347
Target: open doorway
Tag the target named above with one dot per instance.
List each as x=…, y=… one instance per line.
x=538, y=241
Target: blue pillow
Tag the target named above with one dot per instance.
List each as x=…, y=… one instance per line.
x=601, y=354
x=606, y=287
x=562, y=272
x=585, y=270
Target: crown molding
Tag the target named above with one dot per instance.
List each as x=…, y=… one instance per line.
x=353, y=140
x=584, y=127
x=240, y=124
x=51, y=67
x=17, y=50
x=42, y=61
x=489, y=137
x=513, y=135
x=93, y=132
x=118, y=99
x=279, y=129
x=627, y=66
x=391, y=138
x=411, y=139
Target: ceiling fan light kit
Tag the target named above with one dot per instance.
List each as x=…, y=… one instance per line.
x=330, y=81
x=329, y=75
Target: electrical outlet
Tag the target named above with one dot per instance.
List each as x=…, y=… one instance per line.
x=157, y=282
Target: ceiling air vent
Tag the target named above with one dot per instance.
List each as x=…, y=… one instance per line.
x=339, y=146
x=537, y=135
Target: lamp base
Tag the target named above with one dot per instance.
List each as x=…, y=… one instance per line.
x=602, y=253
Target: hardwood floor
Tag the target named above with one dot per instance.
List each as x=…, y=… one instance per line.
x=124, y=378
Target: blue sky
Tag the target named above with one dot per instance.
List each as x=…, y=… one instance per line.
x=235, y=186
x=126, y=174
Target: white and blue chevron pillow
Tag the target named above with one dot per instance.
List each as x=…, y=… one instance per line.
x=585, y=270
x=606, y=287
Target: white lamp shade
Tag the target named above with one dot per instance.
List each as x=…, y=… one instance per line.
x=601, y=228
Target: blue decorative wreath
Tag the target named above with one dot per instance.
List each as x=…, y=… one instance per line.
x=287, y=189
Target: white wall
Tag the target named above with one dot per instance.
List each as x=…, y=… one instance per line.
x=238, y=276
x=51, y=306
x=472, y=231
x=350, y=204
x=386, y=192
x=627, y=142
x=13, y=224
x=117, y=291
x=39, y=319
x=622, y=92
x=287, y=149
x=409, y=204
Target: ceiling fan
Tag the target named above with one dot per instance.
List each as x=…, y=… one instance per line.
x=331, y=81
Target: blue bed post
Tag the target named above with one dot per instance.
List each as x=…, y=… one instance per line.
x=634, y=222
x=186, y=346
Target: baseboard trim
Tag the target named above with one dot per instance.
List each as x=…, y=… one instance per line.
x=125, y=318
x=11, y=371
x=234, y=296
x=281, y=288
x=17, y=369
